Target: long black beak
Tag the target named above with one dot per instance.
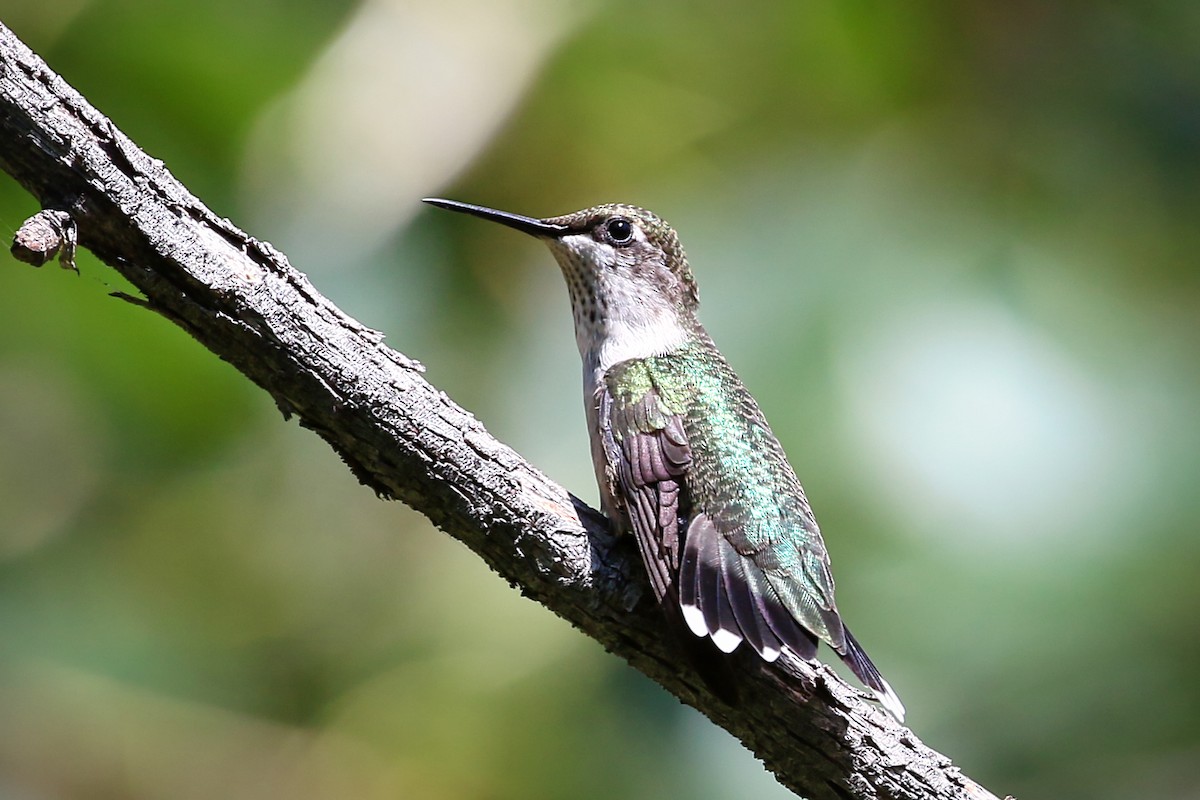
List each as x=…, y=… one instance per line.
x=534, y=227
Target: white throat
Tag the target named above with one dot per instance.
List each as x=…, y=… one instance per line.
x=624, y=340
x=617, y=318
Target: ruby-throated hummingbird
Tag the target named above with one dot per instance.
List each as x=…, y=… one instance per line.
x=683, y=455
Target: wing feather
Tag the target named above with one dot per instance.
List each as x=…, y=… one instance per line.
x=653, y=457
x=729, y=542
x=648, y=481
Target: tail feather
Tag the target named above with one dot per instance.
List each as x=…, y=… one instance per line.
x=861, y=665
x=745, y=607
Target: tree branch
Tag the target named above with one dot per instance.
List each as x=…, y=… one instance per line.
x=241, y=299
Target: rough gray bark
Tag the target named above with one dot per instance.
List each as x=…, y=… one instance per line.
x=406, y=440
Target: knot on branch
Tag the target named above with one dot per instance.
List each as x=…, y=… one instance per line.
x=43, y=236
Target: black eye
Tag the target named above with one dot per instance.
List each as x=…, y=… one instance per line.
x=620, y=230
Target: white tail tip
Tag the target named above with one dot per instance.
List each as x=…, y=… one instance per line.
x=694, y=618
x=890, y=702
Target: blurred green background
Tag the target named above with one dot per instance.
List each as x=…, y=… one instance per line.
x=951, y=248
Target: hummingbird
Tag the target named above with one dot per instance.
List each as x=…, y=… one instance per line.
x=683, y=455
